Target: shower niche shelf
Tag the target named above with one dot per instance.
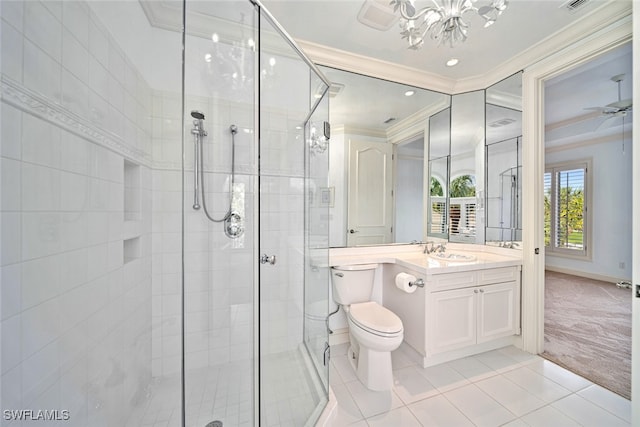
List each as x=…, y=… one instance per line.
x=131, y=249
x=132, y=193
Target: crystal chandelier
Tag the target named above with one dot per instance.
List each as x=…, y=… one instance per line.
x=443, y=20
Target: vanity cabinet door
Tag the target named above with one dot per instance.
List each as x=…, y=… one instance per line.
x=498, y=311
x=451, y=320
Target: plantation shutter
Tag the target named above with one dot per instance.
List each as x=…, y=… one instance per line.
x=566, y=208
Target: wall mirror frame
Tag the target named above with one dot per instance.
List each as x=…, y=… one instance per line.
x=395, y=159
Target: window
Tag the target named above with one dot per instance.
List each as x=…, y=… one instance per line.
x=438, y=208
x=462, y=209
x=565, y=209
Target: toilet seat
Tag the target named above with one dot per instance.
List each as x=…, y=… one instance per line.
x=375, y=319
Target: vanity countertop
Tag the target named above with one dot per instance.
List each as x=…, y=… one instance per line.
x=412, y=257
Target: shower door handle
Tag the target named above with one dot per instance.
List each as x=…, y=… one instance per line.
x=264, y=258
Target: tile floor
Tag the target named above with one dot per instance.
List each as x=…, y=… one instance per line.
x=505, y=387
x=224, y=392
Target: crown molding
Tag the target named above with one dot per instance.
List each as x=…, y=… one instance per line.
x=373, y=67
x=414, y=124
x=353, y=130
x=504, y=99
x=626, y=136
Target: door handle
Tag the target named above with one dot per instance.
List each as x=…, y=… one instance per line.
x=264, y=258
x=352, y=231
x=326, y=356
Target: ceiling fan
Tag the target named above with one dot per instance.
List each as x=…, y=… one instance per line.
x=620, y=108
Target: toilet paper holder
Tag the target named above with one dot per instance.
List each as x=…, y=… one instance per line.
x=419, y=283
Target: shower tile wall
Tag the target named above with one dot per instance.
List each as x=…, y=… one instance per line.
x=76, y=216
x=218, y=283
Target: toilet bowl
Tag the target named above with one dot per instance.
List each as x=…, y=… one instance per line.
x=374, y=331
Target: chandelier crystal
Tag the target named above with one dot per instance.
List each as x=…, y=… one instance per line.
x=443, y=20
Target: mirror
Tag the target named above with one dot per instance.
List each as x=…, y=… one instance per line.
x=388, y=185
x=439, y=148
x=466, y=176
x=504, y=162
x=377, y=161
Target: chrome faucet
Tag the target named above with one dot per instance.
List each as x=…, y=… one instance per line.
x=429, y=250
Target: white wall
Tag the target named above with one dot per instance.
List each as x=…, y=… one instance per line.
x=611, y=209
x=409, y=199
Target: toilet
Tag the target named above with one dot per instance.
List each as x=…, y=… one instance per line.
x=374, y=331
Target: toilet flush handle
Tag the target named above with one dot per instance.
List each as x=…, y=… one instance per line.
x=339, y=274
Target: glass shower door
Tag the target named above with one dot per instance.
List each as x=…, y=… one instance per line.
x=220, y=178
x=256, y=284
x=293, y=235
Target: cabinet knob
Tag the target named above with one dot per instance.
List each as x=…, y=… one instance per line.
x=475, y=291
x=481, y=290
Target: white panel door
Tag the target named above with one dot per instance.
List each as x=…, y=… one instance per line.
x=370, y=206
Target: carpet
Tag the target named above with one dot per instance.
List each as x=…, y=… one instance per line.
x=587, y=329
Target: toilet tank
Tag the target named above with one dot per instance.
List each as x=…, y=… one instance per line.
x=352, y=284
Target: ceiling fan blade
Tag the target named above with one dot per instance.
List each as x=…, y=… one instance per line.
x=602, y=110
x=621, y=105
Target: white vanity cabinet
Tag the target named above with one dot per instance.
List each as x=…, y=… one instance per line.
x=457, y=314
x=462, y=317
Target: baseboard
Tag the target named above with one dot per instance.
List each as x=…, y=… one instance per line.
x=585, y=274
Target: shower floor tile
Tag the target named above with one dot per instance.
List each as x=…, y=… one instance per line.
x=225, y=392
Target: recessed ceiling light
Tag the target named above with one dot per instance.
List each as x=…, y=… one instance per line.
x=452, y=62
x=410, y=93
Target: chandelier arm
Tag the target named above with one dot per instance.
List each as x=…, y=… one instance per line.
x=403, y=12
x=443, y=21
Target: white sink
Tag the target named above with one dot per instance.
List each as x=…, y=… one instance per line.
x=453, y=256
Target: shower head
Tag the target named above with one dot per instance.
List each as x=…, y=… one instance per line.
x=197, y=115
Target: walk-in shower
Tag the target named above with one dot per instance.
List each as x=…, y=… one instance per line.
x=123, y=304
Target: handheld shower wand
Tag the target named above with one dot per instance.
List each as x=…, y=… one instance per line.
x=198, y=133
x=233, y=220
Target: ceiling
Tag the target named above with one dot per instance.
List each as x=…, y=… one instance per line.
x=334, y=24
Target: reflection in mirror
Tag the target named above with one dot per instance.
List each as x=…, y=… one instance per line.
x=439, y=146
x=504, y=162
x=503, y=191
x=371, y=119
x=409, y=218
x=438, y=188
x=467, y=164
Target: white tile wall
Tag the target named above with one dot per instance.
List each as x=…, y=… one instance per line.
x=75, y=320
